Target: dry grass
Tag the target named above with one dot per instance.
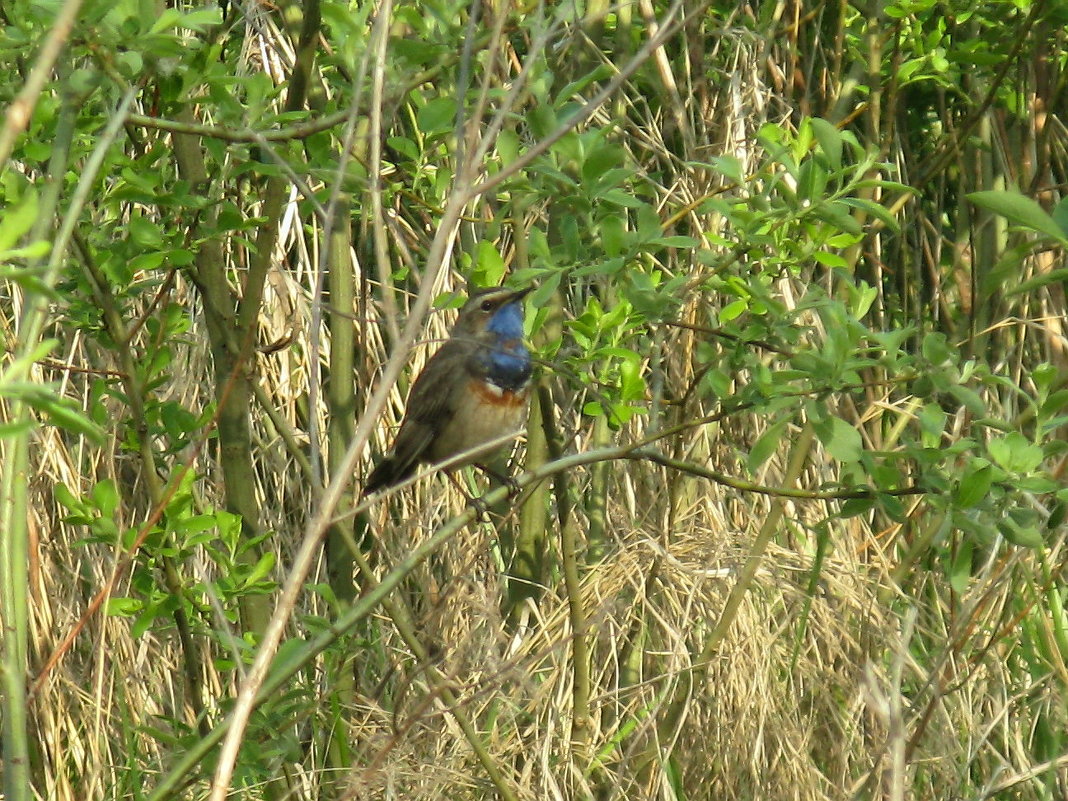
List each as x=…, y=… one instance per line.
x=804, y=697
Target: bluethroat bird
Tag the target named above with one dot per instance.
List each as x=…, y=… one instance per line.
x=472, y=392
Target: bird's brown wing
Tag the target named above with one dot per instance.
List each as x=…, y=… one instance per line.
x=430, y=407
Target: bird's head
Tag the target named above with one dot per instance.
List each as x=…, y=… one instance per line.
x=492, y=319
x=494, y=314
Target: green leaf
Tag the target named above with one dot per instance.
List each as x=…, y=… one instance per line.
x=288, y=653
x=765, y=445
x=405, y=146
x=832, y=260
x=862, y=298
x=717, y=383
x=1054, y=403
x=874, y=210
x=1057, y=516
x=437, y=116
x=1019, y=209
x=1060, y=215
x=960, y=572
x=490, y=264
x=856, y=506
x=545, y=289
x=13, y=429
x=64, y=497
x=66, y=415
x=974, y=486
x=17, y=221
x=146, y=262
x=830, y=139
x=261, y=569
x=1019, y=529
x=892, y=507
x=143, y=232
x=648, y=220
x=31, y=253
x=1038, y=484
x=620, y=197
x=1039, y=281
x=1015, y=454
x=419, y=53
x=1043, y=375
x=835, y=212
x=167, y=19
x=932, y=419
x=195, y=525
x=614, y=234
x=201, y=19
x=730, y=167
x=123, y=607
x=105, y=496
x=970, y=399
x=144, y=621
x=130, y=63
x=576, y=87
x=811, y=180
x=41, y=397
x=600, y=161
x=622, y=412
x=687, y=242
x=508, y=146
x=732, y=310
x=612, y=180
x=841, y=440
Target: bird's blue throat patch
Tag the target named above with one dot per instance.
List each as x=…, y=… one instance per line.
x=507, y=322
x=507, y=362
x=508, y=367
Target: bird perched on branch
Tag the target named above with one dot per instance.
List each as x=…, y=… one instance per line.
x=472, y=392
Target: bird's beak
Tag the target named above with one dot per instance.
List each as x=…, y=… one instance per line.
x=519, y=294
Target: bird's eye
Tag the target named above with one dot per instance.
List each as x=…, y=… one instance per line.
x=487, y=305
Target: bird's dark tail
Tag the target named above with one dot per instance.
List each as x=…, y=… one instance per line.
x=386, y=473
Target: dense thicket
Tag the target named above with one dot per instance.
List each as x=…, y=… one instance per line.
x=790, y=510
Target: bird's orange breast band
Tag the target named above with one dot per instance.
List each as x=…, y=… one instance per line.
x=495, y=396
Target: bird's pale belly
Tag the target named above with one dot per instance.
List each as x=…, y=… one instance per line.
x=487, y=414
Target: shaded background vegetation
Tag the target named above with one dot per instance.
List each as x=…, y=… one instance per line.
x=791, y=518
